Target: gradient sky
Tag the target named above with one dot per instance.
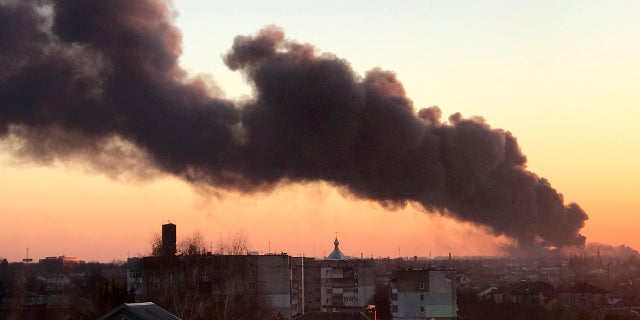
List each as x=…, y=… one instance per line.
x=562, y=76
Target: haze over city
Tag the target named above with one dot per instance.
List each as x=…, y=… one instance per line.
x=559, y=78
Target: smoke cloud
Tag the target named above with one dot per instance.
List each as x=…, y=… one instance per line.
x=100, y=80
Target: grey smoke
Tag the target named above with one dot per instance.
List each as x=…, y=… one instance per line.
x=101, y=79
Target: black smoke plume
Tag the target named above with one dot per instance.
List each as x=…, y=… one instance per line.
x=100, y=79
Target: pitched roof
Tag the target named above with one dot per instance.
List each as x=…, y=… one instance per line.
x=139, y=311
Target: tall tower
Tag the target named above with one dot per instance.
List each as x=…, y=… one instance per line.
x=169, y=240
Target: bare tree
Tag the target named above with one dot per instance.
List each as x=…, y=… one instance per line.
x=233, y=244
x=156, y=245
x=192, y=244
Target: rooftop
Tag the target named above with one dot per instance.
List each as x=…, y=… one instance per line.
x=139, y=311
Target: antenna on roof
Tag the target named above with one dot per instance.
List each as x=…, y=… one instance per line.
x=27, y=259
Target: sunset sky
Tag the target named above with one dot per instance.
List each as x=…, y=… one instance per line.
x=562, y=76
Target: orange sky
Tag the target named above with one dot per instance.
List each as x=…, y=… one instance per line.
x=63, y=211
x=67, y=210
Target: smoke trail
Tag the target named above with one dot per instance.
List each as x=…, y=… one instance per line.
x=100, y=80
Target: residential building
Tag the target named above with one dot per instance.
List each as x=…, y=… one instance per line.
x=197, y=285
x=345, y=285
x=423, y=294
x=305, y=286
x=134, y=278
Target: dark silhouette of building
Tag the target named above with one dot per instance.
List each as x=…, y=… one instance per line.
x=214, y=286
x=169, y=240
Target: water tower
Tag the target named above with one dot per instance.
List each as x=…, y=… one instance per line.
x=169, y=240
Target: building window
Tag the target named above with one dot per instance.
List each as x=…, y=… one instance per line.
x=421, y=285
x=421, y=297
x=421, y=309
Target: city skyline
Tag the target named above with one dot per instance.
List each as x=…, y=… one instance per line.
x=558, y=76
